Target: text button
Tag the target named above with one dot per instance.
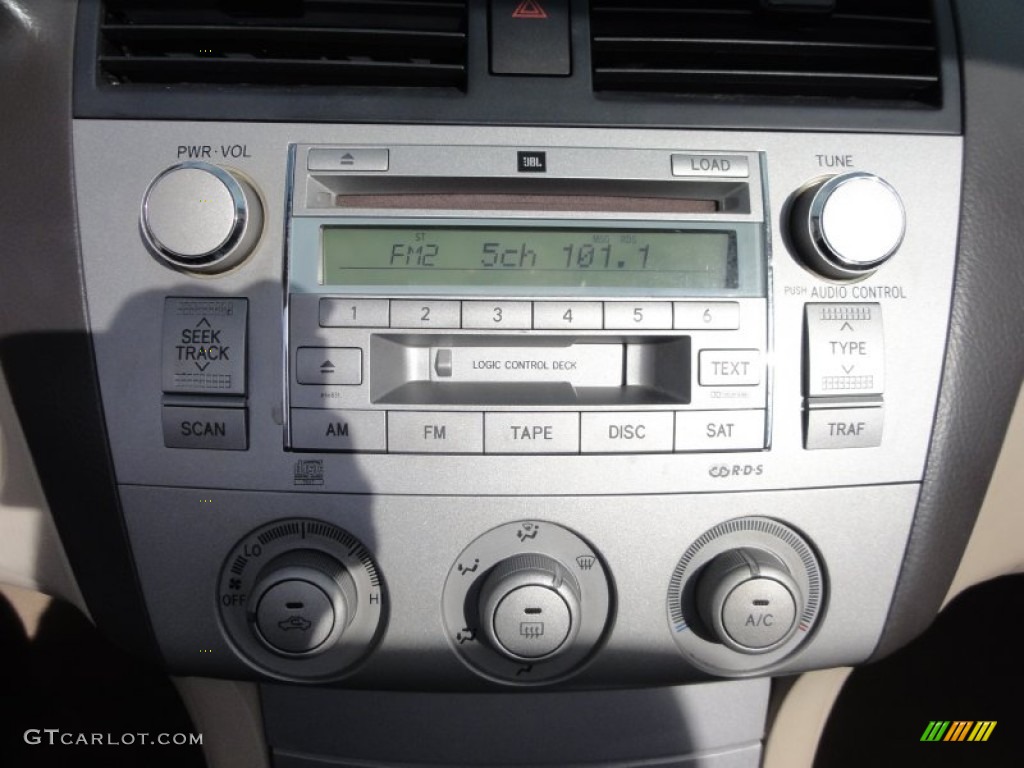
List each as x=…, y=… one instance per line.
x=730, y=367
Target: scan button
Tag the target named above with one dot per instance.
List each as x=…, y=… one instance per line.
x=215, y=429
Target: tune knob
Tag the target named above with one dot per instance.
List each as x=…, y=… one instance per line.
x=302, y=602
x=846, y=226
x=200, y=217
x=748, y=600
x=530, y=607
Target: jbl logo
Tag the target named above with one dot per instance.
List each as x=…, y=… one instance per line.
x=533, y=162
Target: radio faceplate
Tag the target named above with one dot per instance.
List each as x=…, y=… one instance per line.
x=559, y=314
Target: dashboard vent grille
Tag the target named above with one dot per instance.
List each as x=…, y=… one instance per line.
x=401, y=43
x=879, y=50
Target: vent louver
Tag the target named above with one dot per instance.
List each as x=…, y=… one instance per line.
x=878, y=50
x=284, y=42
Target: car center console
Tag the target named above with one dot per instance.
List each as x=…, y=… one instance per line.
x=532, y=418
x=476, y=408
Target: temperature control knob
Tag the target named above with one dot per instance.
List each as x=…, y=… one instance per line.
x=301, y=599
x=302, y=602
x=748, y=600
x=530, y=607
x=846, y=226
x=201, y=217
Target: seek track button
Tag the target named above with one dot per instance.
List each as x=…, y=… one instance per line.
x=204, y=346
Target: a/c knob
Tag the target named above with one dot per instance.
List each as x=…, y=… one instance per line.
x=201, y=217
x=530, y=607
x=847, y=226
x=748, y=600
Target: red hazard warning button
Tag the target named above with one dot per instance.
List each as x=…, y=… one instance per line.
x=530, y=37
x=529, y=9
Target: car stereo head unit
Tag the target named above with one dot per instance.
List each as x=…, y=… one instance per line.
x=462, y=282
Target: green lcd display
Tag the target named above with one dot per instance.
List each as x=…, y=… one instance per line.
x=698, y=260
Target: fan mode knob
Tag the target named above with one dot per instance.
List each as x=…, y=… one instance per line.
x=530, y=607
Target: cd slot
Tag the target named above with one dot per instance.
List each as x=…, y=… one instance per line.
x=454, y=195
x=553, y=371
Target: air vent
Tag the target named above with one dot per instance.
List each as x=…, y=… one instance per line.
x=854, y=50
x=419, y=43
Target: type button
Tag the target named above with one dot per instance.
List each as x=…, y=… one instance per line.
x=845, y=352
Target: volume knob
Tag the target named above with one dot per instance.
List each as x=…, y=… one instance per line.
x=201, y=218
x=846, y=226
